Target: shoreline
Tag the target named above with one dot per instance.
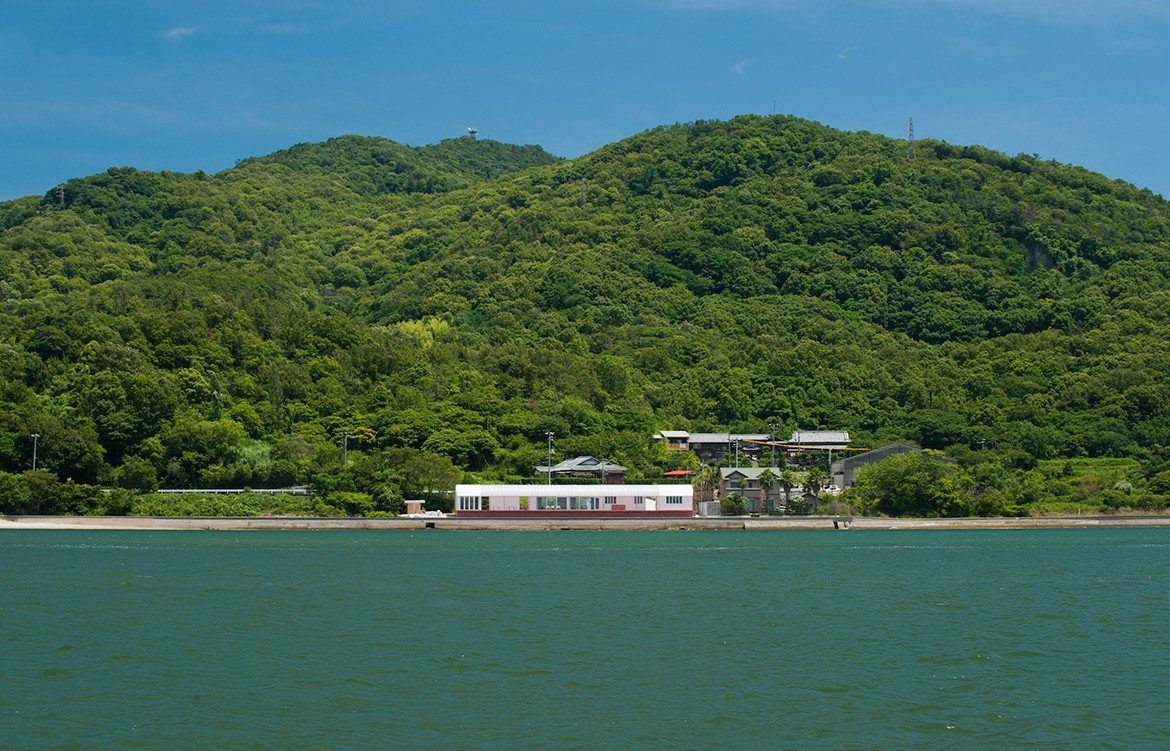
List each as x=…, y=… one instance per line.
x=453, y=523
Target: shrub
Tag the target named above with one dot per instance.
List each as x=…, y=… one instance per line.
x=733, y=504
x=353, y=504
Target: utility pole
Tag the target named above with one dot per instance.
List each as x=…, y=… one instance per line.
x=772, y=426
x=35, y=436
x=550, y=435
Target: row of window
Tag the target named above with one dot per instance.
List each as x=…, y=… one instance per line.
x=574, y=503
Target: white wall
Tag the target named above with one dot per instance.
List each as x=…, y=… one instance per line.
x=507, y=497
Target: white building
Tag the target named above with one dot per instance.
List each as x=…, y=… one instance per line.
x=575, y=500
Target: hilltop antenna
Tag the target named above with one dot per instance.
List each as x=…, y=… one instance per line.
x=910, y=150
x=473, y=133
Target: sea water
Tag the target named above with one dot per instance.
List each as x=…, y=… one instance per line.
x=1054, y=639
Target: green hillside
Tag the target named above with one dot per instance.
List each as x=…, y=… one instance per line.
x=447, y=305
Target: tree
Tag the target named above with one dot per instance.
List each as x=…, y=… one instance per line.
x=733, y=504
x=136, y=473
x=787, y=480
x=767, y=481
x=704, y=484
x=816, y=479
x=14, y=494
x=908, y=485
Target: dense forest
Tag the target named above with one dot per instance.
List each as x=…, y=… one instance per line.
x=430, y=312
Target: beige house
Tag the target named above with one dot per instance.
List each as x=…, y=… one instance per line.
x=762, y=497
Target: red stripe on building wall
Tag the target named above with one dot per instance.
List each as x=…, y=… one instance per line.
x=567, y=514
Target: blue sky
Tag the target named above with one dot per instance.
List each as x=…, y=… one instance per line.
x=185, y=86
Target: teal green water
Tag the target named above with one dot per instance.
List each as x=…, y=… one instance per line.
x=577, y=640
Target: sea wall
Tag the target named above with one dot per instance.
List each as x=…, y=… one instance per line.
x=453, y=523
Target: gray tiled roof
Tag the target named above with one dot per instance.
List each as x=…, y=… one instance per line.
x=728, y=437
x=748, y=473
x=582, y=464
x=835, y=437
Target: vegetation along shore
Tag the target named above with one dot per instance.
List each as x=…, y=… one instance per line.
x=377, y=322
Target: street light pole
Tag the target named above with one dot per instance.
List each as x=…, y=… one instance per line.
x=35, y=436
x=550, y=435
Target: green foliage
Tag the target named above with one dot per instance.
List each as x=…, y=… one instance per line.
x=40, y=492
x=244, y=504
x=459, y=300
x=352, y=504
x=908, y=485
x=733, y=504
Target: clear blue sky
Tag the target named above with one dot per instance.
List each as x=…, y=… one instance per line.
x=88, y=84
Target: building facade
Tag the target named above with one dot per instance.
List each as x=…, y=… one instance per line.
x=762, y=497
x=714, y=447
x=618, y=501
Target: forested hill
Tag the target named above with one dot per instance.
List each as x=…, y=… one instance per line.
x=447, y=305
x=376, y=165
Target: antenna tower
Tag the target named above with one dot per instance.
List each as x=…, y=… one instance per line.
x=910, y=150
x=473, y=133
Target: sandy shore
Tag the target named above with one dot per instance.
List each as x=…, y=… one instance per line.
x=452, y=523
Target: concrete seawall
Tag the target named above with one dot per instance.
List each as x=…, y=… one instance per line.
x=451, y=523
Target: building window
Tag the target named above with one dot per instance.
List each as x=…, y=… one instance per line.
x=548, y=503
x=468, y=503
x=674, y=500
x=610, y=500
